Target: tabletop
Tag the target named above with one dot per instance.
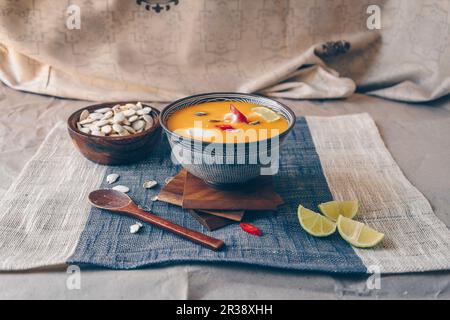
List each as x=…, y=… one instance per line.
x=417, y=135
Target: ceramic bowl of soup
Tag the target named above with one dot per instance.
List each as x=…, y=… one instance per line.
x=227, y=139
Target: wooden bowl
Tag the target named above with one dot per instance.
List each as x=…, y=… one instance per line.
x=114, y=150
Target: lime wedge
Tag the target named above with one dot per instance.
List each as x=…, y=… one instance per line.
x=314, y=223
x=357, y=233
x=267, y=114
x=334, y=209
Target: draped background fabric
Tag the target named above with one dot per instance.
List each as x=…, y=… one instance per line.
x=298, y=49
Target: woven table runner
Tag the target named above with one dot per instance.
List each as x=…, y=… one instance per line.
x=46, y=220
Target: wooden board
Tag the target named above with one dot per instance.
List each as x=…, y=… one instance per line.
x=235, y=215
x=209, y=221
x=257, y=195
x=172, y=193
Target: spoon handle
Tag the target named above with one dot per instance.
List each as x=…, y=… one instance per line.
x=194, y=236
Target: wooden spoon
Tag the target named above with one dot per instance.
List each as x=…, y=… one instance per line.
x=117, y=201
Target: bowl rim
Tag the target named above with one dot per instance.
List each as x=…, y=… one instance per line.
x=287, y=109
x=156, y=119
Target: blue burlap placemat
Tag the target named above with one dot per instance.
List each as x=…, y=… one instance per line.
x=107, y=241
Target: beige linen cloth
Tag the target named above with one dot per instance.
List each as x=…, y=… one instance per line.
x=298, y=49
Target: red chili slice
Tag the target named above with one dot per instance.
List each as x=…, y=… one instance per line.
x=225, y=127
x=250, y=228
x=241, y=117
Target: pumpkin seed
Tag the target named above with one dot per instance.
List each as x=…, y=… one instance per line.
x=92, y=126
x=103, y=110
x=108, y=115
x=143, y=111
x=149, y=184
x=106, y=129
x=117, y=128
x=147, y=118
x=85, y=130
x=201, y=113
x=124, y=133
x=96, y=116
x=111, y=178
x=149, y=121
x=138, y=125
x=97, y=133
x=101, y=123
x=119, y=117
x=135, y=227
x=84, y=115
x=133, y=118
x=129, y=112
x=116, y=109
x=214, y=120
x=167, y=181
x=86, y=121
x=129, y=129
x=121, y=188
x=254, y=123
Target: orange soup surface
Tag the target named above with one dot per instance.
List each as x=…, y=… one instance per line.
x=227, y=122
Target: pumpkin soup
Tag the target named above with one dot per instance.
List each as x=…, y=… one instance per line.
x=227, y=121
